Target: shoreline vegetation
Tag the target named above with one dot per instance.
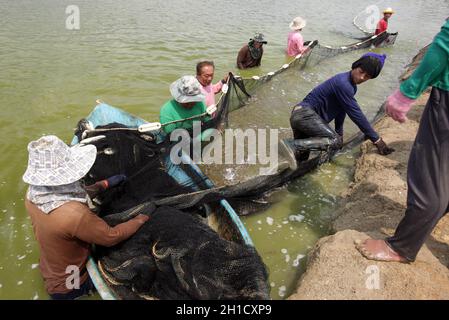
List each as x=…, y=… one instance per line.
x=372, y=206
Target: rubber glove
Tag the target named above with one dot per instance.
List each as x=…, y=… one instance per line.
x=398, y=105
x=382, y=147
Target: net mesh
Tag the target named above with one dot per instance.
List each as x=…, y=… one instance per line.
x=262, y=97
x=369, y=41
x=144, y=157
x=176, y=256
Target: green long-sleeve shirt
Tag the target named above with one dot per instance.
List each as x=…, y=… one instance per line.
x=433, y=69
x=172, y=111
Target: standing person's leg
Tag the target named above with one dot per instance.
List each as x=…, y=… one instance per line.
x=428, y=179
x=428, y=186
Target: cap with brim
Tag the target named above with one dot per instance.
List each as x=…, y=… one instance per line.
x=297, y=24
x=259, y=37
x=187, y=89
x=388, y=10
x=53, y=163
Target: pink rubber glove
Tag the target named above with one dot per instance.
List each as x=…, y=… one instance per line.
x=398, y=105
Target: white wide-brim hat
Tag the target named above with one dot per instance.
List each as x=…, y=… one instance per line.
x=298, y=23
x=187, y=89
x=53, y=163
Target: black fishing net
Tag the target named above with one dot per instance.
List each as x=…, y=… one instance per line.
x=143, y=161
x=176, y=256
x=369, y=41
x=263, y=98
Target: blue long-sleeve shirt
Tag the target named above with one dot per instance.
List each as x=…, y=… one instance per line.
x=334, y=99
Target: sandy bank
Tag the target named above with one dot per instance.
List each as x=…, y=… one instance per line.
x=373, y=206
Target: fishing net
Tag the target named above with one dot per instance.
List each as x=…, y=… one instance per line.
x=369, y=41
x=143, y=161
x=265, y=100
x=143, y=154
x=176, y=256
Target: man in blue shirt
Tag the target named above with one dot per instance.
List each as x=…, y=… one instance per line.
x=333, y=100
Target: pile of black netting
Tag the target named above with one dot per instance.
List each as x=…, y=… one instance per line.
x=176, y=256
x=142, y=161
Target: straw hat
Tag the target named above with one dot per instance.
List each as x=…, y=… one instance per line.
x=388, y=10
x=53, y=163
x=187, y=89
x=298, y=23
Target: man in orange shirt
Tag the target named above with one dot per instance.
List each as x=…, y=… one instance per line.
x=382, y=25
x=63, y=224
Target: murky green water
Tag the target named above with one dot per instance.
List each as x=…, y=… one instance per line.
x=127, y=54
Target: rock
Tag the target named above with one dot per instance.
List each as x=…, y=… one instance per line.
x=336, y=270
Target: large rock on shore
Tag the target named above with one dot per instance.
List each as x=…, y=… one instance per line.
x=336, y=270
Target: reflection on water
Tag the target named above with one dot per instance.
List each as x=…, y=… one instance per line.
x=301, y=213
x=127, y=54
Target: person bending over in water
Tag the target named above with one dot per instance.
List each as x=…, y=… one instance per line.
x=333, y=100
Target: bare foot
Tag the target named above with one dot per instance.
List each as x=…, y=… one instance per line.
x=379, y=250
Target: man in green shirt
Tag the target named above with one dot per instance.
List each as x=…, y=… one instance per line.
x=187, y=102
x=428, y=167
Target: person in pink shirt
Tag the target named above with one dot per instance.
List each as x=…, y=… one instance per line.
x=205, y=74
x=295, y=43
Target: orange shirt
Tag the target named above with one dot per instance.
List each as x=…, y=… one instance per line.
x=65, y=235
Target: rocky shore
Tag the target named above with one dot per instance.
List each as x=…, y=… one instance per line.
x=372, y=207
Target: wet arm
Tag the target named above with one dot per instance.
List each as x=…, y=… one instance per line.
x=241, y=57
x=93, y=229
x=216, y=88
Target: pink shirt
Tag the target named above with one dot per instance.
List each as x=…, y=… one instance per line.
x=210, y=91
x=295, y=44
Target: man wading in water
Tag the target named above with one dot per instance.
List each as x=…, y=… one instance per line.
x=251, y=54
x=382, y=25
